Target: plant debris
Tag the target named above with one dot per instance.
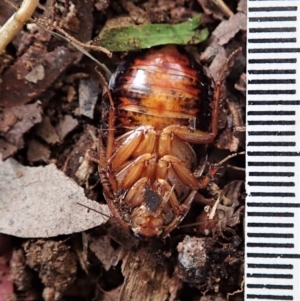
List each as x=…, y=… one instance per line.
x=17, y=90
x=88, y=96
x=15, y=122
x=43, y=202
x=134, y=37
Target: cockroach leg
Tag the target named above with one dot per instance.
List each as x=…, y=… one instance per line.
x=169, y=197
x=210, y=175
x=148, y=143
x=189, y=135
x=91, y=158
x=185, y=174
x=134, y=142
x=131, y=173
x=136, y=194
x=183, y=209
x=111, y=122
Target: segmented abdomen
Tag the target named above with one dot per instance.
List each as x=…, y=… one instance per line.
x=159, y=87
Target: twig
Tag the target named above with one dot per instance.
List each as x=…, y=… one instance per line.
x=79, y=48
x=223, y=7
x=23, y=15
x=72, y=39
x=16, y=22
x=214, y=208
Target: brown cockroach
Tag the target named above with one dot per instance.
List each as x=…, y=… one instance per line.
x=150, y=122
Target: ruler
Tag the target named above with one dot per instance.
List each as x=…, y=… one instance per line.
x=272, y=234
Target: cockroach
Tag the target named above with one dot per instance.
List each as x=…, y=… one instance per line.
x=151, y=113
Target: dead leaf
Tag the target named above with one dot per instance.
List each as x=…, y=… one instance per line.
x=7, y=120
x=36, y=74
x=43, y=202
x=242, y=6
x=37, y=152
x=210, y=9
x=102, y=248
x=101, y=4
x=46, y=131
x=241, y=85
x=7, y=149
x=6, y=284
x=77, y=166
x=27, y=116
x=6, y=281
x=227, y=29
x=65, y=126
x=137, y=14
x=88, y=96
x=218, y=61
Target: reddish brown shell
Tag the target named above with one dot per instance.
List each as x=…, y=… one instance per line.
x=160, y=87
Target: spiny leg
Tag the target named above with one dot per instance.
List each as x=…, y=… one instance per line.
x=184, y=173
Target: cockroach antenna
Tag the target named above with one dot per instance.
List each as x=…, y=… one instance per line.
x=92, y=209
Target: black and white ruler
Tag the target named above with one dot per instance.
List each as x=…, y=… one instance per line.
x=272, y=260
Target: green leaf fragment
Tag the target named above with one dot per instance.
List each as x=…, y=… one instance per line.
x=134, y=37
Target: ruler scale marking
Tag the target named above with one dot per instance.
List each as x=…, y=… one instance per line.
x=272, y=266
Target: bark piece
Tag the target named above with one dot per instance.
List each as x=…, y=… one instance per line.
x=144, y=276
x=17, y=90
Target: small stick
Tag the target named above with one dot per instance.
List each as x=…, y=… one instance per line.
x=223, y=7
x=72, y=39
x=23, y=15
x=16, y=22
x=214, y=208
x=79, y=48
x=230, y=156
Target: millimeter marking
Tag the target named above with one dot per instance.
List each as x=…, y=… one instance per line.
x=272, y=235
